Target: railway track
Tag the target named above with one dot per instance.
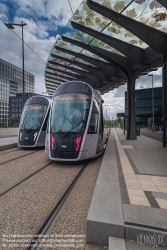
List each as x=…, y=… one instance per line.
x=23, y=179
x=9, y=151
x=64, y=179
x=18, y=157
x=46, y=224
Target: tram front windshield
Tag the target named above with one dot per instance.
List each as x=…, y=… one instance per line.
x=32, y=117
x=69, y=113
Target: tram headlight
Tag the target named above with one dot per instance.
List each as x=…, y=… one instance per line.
x=20, y=135
x=35, y=136
x=78, y=142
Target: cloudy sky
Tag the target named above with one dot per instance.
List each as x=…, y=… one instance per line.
x=45, y=20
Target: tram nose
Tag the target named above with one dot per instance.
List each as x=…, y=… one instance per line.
x=65, y=146
x=28, y=137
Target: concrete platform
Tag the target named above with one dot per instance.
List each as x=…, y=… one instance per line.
x=122, y=244
x=7, y=143
x=105, y=215
x=130, y=197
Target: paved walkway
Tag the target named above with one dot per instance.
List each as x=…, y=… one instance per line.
x=129, y=204
x=8, y=140
x=157, y=135
x=8, y=132
x=144, y=166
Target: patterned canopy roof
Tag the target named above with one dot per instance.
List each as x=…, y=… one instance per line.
x=148, y=12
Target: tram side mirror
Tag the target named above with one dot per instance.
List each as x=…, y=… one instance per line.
x=102, y=101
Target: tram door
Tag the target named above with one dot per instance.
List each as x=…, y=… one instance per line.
x=101, y=131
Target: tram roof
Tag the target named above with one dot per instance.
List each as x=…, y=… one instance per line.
x=103, y=38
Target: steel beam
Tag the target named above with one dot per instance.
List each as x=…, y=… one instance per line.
x=137, y=56
x=101, y=74
x=135, y=53
x=63, y=73
x=64, y=77
x=51, y=87
x=163, y=3
x=97, y=71
x=79, y=78
x=113, y=58
x=110, y=79
x=120, y=61
x=85, y=74
x=100, y=64
x=75, y=76
x=52, y=82
x=156, y=39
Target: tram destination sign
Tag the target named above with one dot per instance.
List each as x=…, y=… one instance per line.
x=36, y=107
x=120, y=114
x=72, y=98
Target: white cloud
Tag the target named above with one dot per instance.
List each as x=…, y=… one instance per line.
x=11, y=52
x=4, y=17
x=114, y=101
x=3, y=8
x=42, y=16
x=58, y=12
x=146, y=81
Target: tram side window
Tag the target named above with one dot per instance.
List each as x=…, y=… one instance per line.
x=45, y=123
x=47, y=127
x=105, y=120
x=93, y=121
x=101, y=129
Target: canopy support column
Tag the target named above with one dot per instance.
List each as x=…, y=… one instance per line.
x=131, y=104
x=164, y=83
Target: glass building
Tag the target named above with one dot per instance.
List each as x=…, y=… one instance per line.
x=144, y=110
x=11, y=83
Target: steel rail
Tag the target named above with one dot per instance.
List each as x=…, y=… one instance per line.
x=38, y=237
x=23, y=179
x=9, y=151
x=19, y=157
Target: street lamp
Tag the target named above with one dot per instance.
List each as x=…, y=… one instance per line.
x=10, y=26
x=153, y=125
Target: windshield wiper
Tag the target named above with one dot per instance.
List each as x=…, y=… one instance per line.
x=82, y=121
x=34, y=126
x=64, y=116
x=66, y=133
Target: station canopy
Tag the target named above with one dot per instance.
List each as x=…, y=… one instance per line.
x=91, y=46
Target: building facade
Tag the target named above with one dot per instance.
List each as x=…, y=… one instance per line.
x=144, y=106
x=11, y=83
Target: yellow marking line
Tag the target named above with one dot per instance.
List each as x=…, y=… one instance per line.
x=135, y=191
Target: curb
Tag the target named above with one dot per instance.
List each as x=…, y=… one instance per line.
x=9, y=146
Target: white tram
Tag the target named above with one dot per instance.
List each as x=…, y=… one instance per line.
x=77, y=128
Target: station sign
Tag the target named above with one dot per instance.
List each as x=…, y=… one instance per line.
x=120, y=114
